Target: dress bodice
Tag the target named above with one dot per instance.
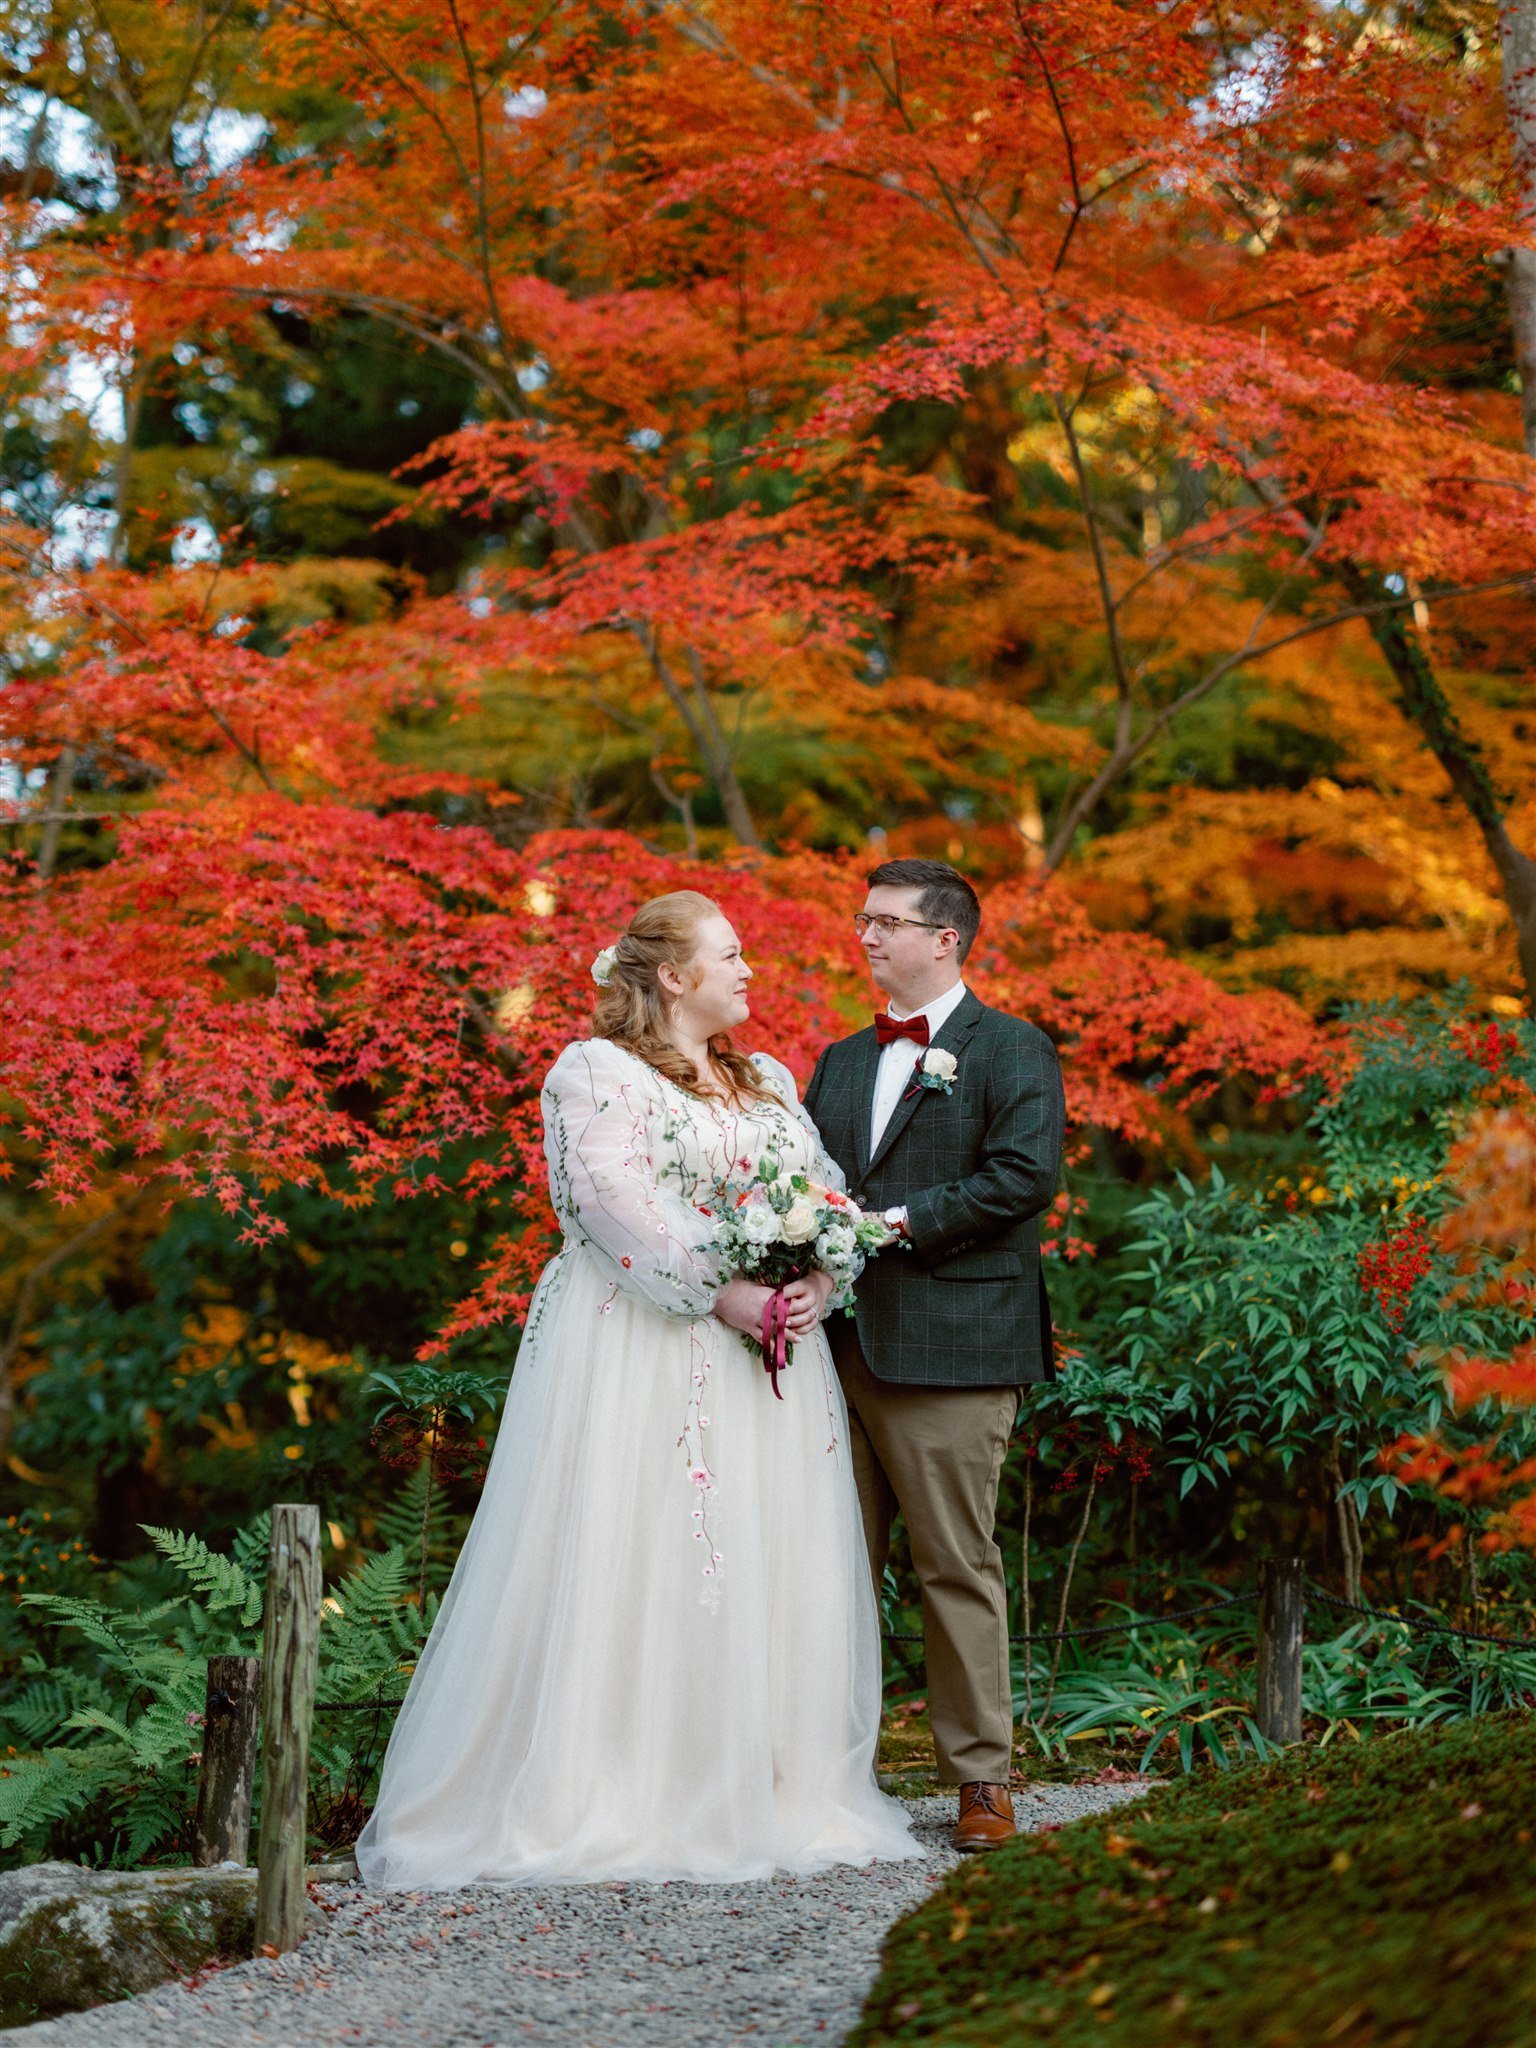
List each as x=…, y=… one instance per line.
x=700, y=1147
x=637, y=1166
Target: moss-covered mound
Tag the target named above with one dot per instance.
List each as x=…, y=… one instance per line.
x=1379, y=1894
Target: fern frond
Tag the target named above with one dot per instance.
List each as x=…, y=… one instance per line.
x=222, y=1583
x=103, y=1722
x=157, y=1813
x=249, y=1551
x=162, y=1738
x=399, y=1524
x=40, y=1711
x=96, y=1623
x=372, y=1588
x=35, y=1792
x=376, y=1630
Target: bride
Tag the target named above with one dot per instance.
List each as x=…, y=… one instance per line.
x=659, y=1654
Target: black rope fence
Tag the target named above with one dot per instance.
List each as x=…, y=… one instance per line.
x=1418, y=1627
x=1115, y=1628
x=273, y=1697
x=1412, y=1622
x=1112, y=1628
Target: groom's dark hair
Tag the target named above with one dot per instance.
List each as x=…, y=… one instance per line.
x=947, y=897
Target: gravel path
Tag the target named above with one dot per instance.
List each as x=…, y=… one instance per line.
x=784, y=1964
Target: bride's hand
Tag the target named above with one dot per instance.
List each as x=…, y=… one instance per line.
x=807, y=1301
x=740, y=1304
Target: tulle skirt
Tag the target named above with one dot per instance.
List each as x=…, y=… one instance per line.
x=659, y=1654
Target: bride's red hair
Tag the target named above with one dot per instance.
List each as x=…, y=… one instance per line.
x=632, y=1009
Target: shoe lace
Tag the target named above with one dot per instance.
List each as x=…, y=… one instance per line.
x=991, y=1799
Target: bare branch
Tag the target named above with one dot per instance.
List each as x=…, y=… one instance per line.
x=1117, y=654
x=1124, y=757
x=1079, y=204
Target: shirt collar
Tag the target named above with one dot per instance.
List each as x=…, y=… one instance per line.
x=938, y=1012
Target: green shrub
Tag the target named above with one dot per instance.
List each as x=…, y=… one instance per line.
x=1177, y=1695
x=1250, y=1329
x=1374, y=1893
x=112, y=1727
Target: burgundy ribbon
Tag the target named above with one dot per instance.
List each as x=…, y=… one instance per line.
x=775, y=1337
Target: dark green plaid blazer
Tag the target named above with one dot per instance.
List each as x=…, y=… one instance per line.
x=966, y=1304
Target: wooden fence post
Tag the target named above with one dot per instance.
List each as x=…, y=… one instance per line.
x=222, y=1830
x=289, y=1649
x=1282, y=1605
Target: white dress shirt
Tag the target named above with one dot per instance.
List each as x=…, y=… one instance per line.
x=897, y=1060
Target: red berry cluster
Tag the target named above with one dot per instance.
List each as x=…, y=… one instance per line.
x=1098, y=1459
x=1392, y=1268
x=1488, y=1045
x=402, y=1441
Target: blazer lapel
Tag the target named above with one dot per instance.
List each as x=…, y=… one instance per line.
x=866, y=1058
x=951, y=1037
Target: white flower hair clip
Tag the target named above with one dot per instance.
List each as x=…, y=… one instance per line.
x=603, y=966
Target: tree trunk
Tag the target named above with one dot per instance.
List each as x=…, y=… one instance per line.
x=1351, y=1550
x=122, y=476
x=1066, y=1592
x=1024, y=1599
x=1517, y=39
x=60, y=784
x=696, y=709
x=1421, y=699
x=1471, y=1591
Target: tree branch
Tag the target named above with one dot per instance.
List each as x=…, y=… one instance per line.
x=1124, y=757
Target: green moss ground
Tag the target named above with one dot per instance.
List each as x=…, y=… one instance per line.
x=1383, y=1893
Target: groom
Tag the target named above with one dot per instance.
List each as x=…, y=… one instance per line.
x=948, y=1117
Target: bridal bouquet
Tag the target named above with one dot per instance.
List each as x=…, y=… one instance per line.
x=782, y=1226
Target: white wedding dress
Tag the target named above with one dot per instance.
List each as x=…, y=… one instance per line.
x=659, y=1654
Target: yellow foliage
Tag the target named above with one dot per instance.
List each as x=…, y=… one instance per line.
x=1323, y=969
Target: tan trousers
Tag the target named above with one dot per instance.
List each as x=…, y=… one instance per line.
x=934, y=1454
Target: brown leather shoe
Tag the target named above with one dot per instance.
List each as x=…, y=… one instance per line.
x=986, y=1818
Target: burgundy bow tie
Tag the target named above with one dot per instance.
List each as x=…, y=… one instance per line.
x=915, y=1028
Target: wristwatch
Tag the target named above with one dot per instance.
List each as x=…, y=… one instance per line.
x=896, y=1219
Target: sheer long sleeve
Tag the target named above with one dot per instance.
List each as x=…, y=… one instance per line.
x=599, y=1111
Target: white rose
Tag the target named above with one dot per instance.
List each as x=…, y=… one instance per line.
x=836, y=1245
x=759, y=1224
x=603, y=966
x=941, y=1064
x=800, y=1220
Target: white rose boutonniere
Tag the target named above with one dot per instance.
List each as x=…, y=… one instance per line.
x=937, y=1069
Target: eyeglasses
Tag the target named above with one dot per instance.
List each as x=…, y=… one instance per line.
x=886, y=926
